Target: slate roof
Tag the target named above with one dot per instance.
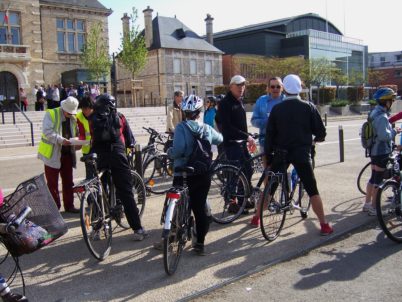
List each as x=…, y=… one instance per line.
x=172, y=33
x=89, y=4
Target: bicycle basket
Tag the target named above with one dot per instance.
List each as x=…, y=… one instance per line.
x=42, y=226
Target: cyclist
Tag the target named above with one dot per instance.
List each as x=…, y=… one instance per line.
x=291, y=126
x=183, y=143
x=382, y=147
x=259, y=119
x=113, y=155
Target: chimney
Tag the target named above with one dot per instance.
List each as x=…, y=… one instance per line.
x=210, y=36
x=148, y=26
x=126, y=24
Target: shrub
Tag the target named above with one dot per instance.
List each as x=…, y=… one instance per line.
x=327, y=95
x=254, y=91
x=372, y=102
x=355, y=94
x=339, y=103
x=222, y=89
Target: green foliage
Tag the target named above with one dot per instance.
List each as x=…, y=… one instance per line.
x=339, y=103
x=222, y=89
x=372, y=102
x=327, y=95
x=375, y=77
x=355, y=94
x=133, y=53
x=253, y=92
x=95, y=54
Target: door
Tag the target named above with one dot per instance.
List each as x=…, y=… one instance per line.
x=8, y=89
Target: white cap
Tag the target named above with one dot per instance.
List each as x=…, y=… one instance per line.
x=237, y=79
x=292, y=84
x=70, y=105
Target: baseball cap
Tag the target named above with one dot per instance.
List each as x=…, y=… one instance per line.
x=292, y=84
x=70, y=105
x=237, y=79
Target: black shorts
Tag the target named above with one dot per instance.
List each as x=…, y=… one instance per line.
x=380, y=160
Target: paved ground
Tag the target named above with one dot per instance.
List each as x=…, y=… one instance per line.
x=134, y=271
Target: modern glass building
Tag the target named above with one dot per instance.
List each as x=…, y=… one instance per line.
x=306, y=35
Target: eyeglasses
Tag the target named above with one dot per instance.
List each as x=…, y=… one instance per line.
x=241, y=84
x=277, y=86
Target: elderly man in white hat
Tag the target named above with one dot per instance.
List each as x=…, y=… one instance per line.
x=293, y=126
x=57, y=152
x=232, y=120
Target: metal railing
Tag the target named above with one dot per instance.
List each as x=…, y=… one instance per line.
x=13, y=106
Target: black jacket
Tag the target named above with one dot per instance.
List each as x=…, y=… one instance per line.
x=232, y=120
x=291, y=126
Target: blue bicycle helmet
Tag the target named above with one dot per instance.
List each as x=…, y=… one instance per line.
x=384, y=94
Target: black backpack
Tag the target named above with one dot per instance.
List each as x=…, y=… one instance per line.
x=201, y=156
x=106, y=126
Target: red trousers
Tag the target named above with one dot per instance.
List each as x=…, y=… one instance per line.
x=66, y=173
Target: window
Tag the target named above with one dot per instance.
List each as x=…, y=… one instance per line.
x=10, y=32
x=398, y=73
x=398, y=58
x=193, y=66
x=176, y=65
x=70, y=35
x=208, y=67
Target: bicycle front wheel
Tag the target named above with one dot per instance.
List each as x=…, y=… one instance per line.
x=363, y=178
x=158, y=174
x=96, y=224
x=389, y=210
x=173, y=245
x=228, y=193
x=272, y=213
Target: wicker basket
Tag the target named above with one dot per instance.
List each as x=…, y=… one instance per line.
x=45, y=214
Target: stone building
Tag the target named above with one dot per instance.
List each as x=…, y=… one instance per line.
x=40, y=39
x=178, y=59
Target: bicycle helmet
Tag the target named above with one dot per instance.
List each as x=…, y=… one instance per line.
x=104, y=102
x=384, y=94
x=192, y=104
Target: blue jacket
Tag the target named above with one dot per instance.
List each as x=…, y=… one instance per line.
x=183, y=141
x=209, y=116
x=383, y=132
x=261, y=111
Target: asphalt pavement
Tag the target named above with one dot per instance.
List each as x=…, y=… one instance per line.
x=65, y=271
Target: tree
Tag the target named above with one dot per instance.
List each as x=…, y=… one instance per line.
x=338, y=78
x=317, y=72
x=95, y=54
x=375, y=77
x=133, y=52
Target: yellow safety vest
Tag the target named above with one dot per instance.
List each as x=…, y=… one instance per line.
x=46, y=147
x=81, y=117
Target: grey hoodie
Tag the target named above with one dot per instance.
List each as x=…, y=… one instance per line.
x=383, y=132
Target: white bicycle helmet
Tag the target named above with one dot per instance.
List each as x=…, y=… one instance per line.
x=192, y=104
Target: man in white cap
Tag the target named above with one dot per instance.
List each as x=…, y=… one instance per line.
x=290, y=130
x=57, y=153
x=231, y=117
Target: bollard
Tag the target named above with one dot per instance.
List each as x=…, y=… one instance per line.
x=341, y=145
x=325, y=119
x=138, y=159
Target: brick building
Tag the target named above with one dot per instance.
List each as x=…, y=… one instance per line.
x=178, y=59
x=390, y=63
x=40, y=39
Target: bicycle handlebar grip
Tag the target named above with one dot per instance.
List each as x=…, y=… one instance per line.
x=15, y=223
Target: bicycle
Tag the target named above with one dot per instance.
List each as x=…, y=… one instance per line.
x=177, y=222
x=389, y=203
x=99, y=207
x=279, y=199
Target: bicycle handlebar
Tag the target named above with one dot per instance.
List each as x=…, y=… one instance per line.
x=12, y=226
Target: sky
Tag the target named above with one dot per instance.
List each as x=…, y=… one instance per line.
x=376, y=23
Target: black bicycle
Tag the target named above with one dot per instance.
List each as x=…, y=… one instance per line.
x=99, y=207
x=177, y=222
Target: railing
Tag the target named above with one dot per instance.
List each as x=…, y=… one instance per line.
x=13, y=106
x=14, y=53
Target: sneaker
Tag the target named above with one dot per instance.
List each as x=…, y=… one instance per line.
x=198, y=249
x=11, y=297
x=158, y=245
x=372, y=211
x=140, y=234
x=255, y=222
x=366, y=206
x=326, y=229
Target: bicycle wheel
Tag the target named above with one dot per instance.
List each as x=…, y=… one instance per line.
x=96, y=224
x=173, y=245
x=228, y=193
x=363, y=178
x=388, y=207
x=302, y=199
x=272, y=214
x=157, y=176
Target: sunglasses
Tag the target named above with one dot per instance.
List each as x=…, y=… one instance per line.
x=277, y=86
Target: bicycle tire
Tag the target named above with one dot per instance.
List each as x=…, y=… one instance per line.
x=388, y=206
x=158, y=179
x=272, y=215
x=96, y=226
x=363, y=178
x=228, y=186
x=172, y=245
